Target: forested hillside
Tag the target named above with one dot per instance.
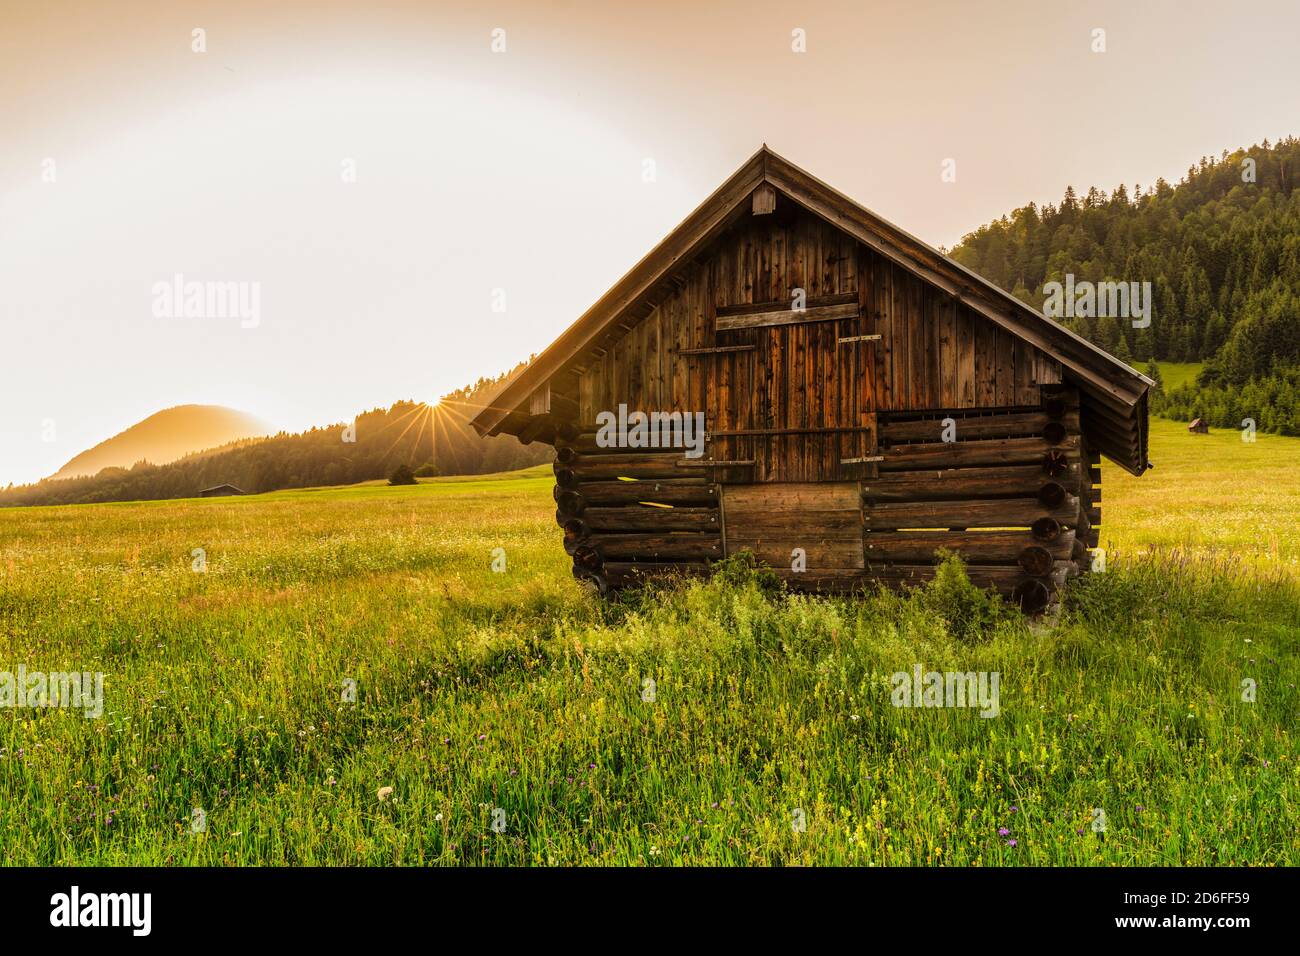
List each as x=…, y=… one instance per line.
x=1221, y=250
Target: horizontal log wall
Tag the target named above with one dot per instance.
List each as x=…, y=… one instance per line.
x=1013, y=493
x=620, y=508
x=1007, y=492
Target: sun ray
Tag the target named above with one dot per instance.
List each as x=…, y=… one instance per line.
x=413, y=412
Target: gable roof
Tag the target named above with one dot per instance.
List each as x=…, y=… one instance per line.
x=1113, y=395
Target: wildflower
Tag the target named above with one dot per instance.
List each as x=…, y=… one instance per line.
x=1011, y=843
x=437, y=816
x=1015, y=809
x=384, y=793
x=1003, y=831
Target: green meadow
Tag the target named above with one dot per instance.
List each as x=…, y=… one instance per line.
x=1176, y=374
x=508, y=718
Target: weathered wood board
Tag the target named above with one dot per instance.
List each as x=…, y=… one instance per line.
x=772, y=520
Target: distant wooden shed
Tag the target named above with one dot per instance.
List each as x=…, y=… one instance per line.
x=220, y=491
x=866, y=401
x=1199, y=426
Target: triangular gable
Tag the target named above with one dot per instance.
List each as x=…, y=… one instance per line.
x=1113, y=393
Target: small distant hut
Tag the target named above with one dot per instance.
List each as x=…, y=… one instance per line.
x=1199, y=426
x=220, y=491
x=864, y=400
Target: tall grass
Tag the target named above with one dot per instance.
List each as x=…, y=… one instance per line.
x=480, y=691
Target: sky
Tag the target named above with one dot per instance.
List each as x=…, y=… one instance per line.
x=415, y=195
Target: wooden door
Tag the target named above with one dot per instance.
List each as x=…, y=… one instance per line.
x=793, y=391
x=814, y=384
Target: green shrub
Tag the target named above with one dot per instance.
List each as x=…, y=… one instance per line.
x=402, y=475
x=742, y=569
x=969, y=611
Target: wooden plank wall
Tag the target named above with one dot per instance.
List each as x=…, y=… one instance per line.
x=933, y=353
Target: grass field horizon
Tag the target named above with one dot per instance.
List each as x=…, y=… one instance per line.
x=516, y=699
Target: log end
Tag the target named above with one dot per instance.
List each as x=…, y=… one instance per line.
x=1032, y=595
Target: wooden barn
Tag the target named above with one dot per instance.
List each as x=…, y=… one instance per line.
x=865, y=399
x=220, y=491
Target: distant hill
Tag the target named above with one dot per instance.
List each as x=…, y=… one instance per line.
x=165, y=437
x=370, y=447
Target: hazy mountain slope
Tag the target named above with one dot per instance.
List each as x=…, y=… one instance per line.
x=408, y=433
x=167, y=436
